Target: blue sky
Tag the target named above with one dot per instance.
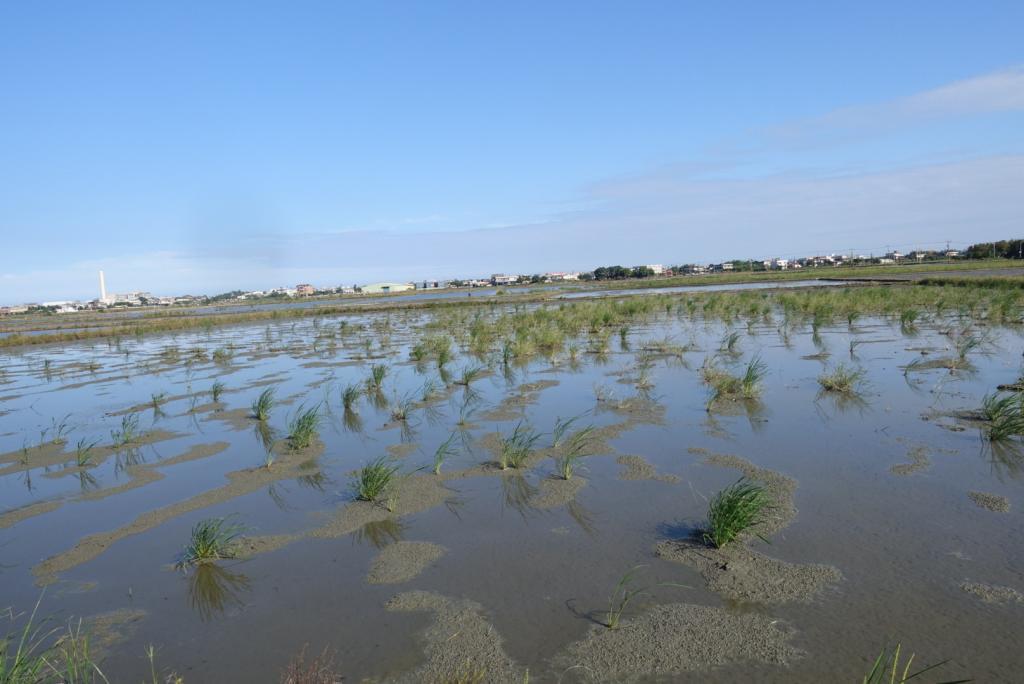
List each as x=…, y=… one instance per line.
x=199, y=147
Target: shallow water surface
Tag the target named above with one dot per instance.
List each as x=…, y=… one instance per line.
x=879, y=481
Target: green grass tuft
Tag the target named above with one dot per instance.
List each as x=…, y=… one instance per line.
x=212, y=539
x=373, y=480
x=735, y=510
x=517, y=447
x=302, y=428
x=842, y=379
x=263, y=404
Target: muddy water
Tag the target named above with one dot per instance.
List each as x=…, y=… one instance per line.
x=518, y=572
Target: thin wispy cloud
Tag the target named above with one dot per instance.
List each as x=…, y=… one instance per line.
x=993, y=93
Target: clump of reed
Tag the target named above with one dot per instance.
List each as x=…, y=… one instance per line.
x=33, y=654
x=129, y=431
x=211, y=540
x=401, y=407
x=624, y=593
x=842, y=379
x=516, y=447
x=726, y=386
x=319, y=670
x=216, y=390
x=738, y=508
x=302, y=428
x=378, y=372
x=1004, y=415
x=349, y=396
x=222, y=355
x=443, y=452
x=562, y=426
x=577, y=447
x=469, y=374
x=887, y=669
x=83, y=453
x=59, y=430
x=263, y=404
x=157, y=400
x=373, y=480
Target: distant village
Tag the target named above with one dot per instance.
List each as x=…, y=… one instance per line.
x=145, y=299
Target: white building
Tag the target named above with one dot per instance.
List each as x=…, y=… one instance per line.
x=658, y=269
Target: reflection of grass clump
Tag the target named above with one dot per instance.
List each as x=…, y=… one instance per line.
x=211, y=540
x=734, y=510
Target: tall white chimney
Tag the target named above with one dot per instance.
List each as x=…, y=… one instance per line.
x=103, y=289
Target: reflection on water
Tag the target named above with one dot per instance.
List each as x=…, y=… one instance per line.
x=1005, y=458
x=380, y=533
x=212, y=589
x=517, y=493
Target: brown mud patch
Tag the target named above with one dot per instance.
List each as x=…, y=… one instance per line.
x=990, y=502
x=15, y=516
x=414, y=495
x=638, y=468
x=139, y=476
x=671, y=640
x=992, y=594
x=739, y=573
x=288, y=466
x=555, y=492
x=511, y=407
x=638, y=409
x=106, y=630
x=236, y=419
x=51, y=454
x=401, y=450
x=460, y=645
x=918, y=461
x=403, y=561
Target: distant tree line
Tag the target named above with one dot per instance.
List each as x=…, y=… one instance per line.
x=621, y=272
x=1004, y=249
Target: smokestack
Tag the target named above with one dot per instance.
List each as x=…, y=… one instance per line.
x=103, y=289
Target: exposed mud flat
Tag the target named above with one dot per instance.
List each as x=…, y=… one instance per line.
x=739, y=573
x=241, y=482
x=403, y=561
x=637, y=468
x=108, y=629
x=918, y=461
x=401, y=450
x=460, y=645
x=414, y=494
x=671, y=640
x=993, y=594
x=990, y=502
x=54, y=453
x=555, y=492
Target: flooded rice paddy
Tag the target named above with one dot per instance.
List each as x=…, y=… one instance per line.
x=892, y=519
